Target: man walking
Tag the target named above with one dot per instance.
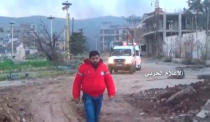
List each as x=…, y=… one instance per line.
x=92, y=79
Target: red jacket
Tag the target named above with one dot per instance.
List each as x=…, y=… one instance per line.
x=93, y=81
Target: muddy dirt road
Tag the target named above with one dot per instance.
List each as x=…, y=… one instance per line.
x=50, y=99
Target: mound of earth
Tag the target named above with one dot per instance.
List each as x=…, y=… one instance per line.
x=179, y=101
x=12, y=109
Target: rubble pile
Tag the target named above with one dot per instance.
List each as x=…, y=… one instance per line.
x=181, y=100
x=11, y=109
x=7, y=111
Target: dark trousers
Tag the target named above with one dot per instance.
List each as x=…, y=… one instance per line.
x=92, y=107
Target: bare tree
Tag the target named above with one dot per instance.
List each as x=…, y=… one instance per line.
x=41, y=39
x=45, y=44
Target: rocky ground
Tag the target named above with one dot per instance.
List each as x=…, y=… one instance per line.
x=179, y=103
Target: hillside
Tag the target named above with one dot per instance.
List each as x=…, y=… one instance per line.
x=91, y=27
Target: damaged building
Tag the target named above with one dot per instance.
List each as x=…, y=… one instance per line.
x=159, y=25
x=110, y=33
x=174, y=35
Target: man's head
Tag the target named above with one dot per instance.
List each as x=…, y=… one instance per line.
x=94, y=57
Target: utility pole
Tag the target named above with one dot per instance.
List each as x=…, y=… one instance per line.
x=66, y=6
x=103, y=40
x=72, y=25
x=157, y=4
x=64, y=38
x=96, y=44
x=51, y=26
x=12, y=45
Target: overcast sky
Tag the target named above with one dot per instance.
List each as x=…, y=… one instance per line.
x=82, y=9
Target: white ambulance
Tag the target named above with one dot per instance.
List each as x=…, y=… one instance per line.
x=125, y=57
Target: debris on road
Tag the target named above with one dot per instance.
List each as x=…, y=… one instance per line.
x=207, y=76
x=179, y=102
x=178, y=96
x=204, y=114
x=11, y=109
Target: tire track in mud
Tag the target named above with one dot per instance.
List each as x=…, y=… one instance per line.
x=52, y=109
x=51, y=102
x=47, y=102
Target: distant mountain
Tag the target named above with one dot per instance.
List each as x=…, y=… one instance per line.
x=91, y=27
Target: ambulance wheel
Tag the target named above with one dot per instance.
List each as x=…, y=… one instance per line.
x=132, y=70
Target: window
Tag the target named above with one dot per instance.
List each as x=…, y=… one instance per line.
x=121, y=52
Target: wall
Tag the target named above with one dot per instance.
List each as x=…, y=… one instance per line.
x=190, y=45
x=20, y=54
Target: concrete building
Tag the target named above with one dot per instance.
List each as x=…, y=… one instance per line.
x=159, y=24
x=112, y=33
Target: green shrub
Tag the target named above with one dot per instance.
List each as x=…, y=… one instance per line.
x=18, y=67
x=7, y=64
x=36, y=63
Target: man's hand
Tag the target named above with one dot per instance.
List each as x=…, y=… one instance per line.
x=76, y=100
x=111, y=97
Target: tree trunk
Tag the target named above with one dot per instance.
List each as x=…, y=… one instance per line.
x=206, y=45
x=207, y=33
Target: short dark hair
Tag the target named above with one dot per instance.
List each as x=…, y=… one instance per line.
x=93, y=53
